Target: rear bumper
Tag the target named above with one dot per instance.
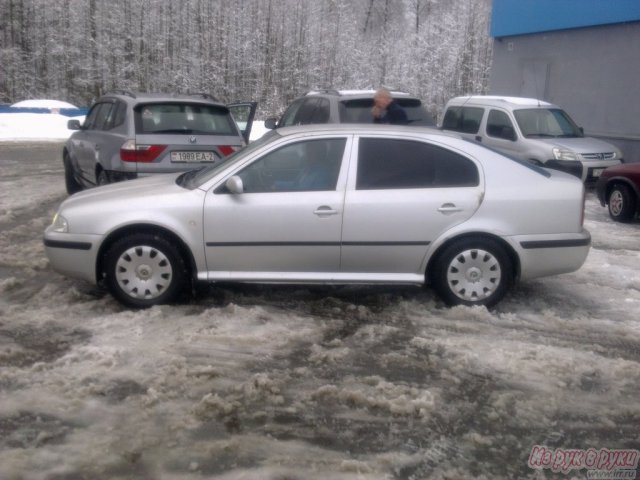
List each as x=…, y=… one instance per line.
x=545, y=255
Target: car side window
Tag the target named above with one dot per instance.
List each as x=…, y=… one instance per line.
x=385, y=164
x=321, y=112
x=499, y=125
x=102, y=117
x=290, y=114
x=91, y=116
x=310, y=165
x=305, y=114
x=118, y=115
x=463, y=119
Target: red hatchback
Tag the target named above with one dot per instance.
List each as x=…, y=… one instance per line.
x=619, y=188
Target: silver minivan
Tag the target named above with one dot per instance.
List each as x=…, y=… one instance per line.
x=532, y=130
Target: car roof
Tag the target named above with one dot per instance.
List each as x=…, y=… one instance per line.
x=498, y=101
x=141, y=97
x=355, y=93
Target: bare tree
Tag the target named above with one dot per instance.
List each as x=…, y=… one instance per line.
x=269, y=50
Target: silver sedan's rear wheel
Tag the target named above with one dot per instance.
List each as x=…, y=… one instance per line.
x=144, y=270
x=473, y=272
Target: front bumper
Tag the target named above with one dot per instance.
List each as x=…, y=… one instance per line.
x=72, y=255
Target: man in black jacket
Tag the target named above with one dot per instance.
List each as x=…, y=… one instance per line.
x=386, y=110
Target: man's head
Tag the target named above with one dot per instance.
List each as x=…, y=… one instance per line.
x=382, y=98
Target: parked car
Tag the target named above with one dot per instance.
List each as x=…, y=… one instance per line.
x=330, y=204
x=345, y=106
x=532, y=130
x=126, y=135
x=619, y=188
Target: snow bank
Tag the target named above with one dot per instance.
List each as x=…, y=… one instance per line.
x=34, y=126
x=42, y=104
x=47, y=127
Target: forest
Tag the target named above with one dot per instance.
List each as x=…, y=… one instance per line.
x=270, y=51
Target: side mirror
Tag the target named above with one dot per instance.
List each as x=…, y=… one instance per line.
x=74, y=125
x=271, y=123
x=234, y=185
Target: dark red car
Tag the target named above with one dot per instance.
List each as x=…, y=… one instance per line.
x=619, y=188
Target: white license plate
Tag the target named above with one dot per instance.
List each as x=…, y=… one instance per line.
x=596, y=172
x=192, y=157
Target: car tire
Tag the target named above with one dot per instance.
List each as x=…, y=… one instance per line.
x=144, y=269
x=72, y=185
x=102, y=178
x=622, y=203
x=472, y=271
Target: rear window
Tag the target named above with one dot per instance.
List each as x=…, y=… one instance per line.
x=359, y=111
x=463, y=119
x=186, y=118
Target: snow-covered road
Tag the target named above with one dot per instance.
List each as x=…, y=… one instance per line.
x=277, y=382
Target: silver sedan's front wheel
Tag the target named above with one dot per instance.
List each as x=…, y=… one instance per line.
x=472, y=272
x=144, y=270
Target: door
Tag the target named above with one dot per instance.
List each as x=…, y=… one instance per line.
x=243, y=113
x=94, y=139
x=285, y=221
x=402, y=195
x=500, y=133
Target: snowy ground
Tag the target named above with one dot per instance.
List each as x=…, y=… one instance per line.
x=296, y=383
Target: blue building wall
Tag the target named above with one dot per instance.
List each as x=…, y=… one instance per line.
x=518, y=17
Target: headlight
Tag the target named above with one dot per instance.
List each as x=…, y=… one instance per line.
x=60, y=224
x=559, y=154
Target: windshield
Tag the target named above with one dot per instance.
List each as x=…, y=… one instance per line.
x=195, y=178
x=546, y=123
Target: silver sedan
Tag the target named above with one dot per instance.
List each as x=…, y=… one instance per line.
x=331, y=204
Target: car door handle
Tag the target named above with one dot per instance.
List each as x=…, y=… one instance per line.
x=324, y=210
x=449, y=208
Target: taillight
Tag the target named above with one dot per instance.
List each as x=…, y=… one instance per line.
x=131, y=152
x=227, y=150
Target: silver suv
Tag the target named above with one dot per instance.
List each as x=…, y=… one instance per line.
x=126, y=135
x=345, y=106
x=532, y=130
